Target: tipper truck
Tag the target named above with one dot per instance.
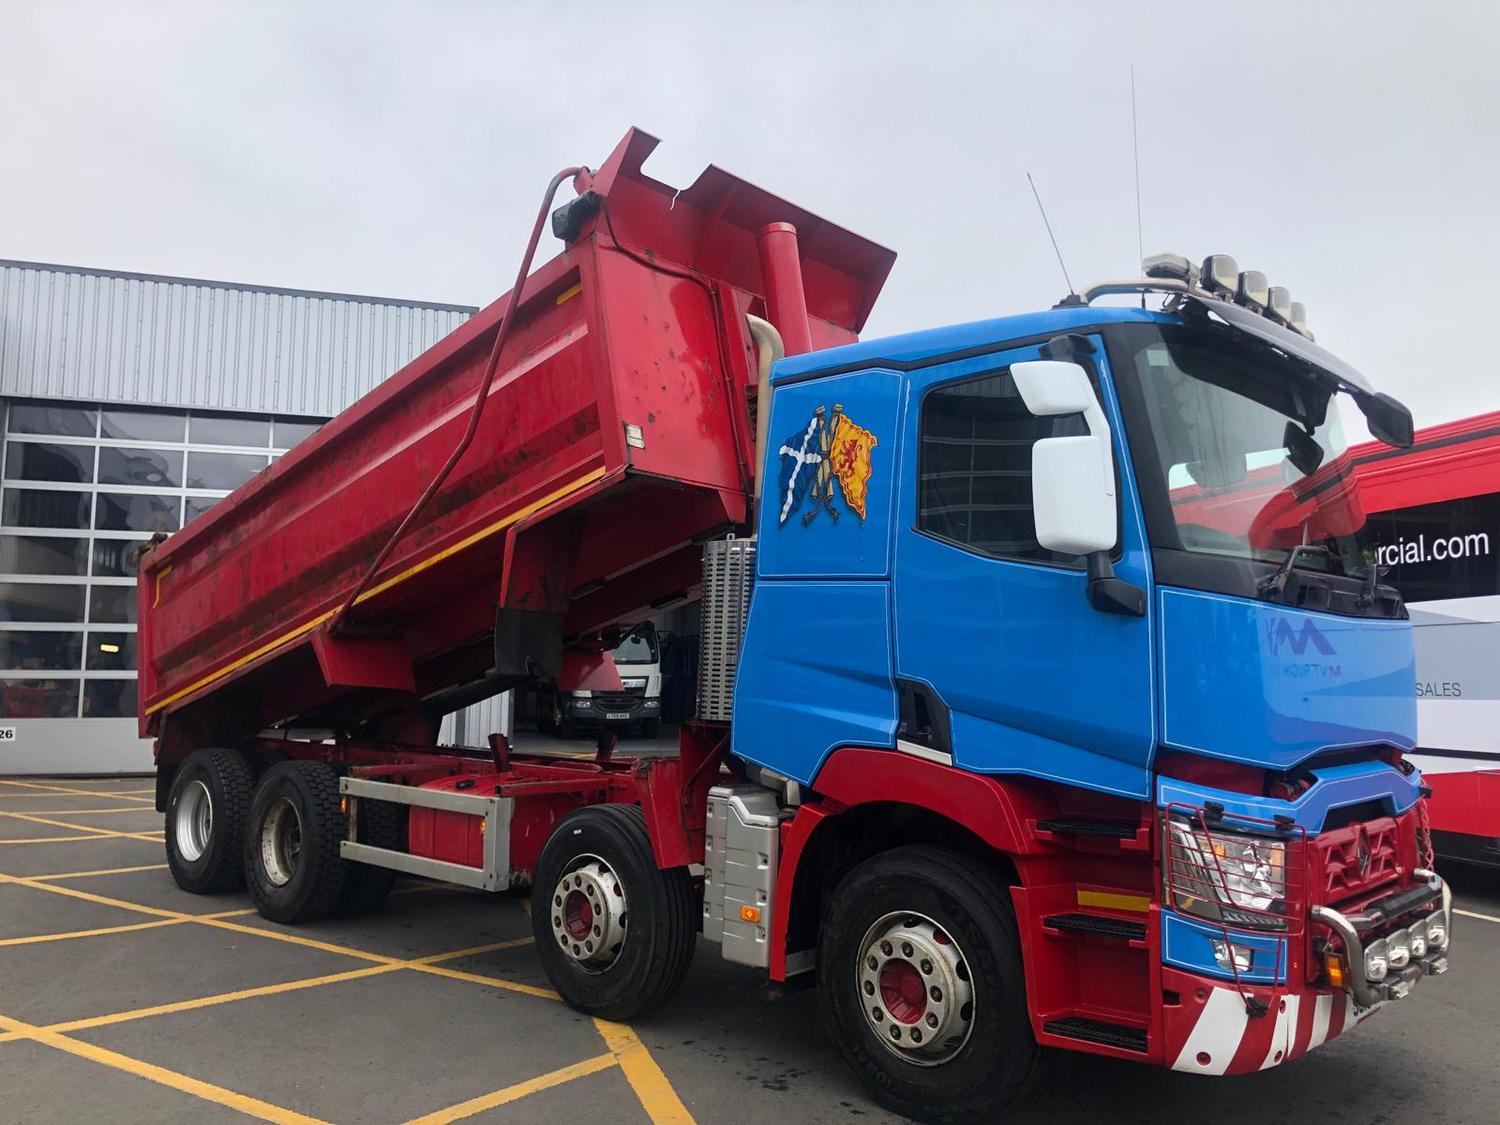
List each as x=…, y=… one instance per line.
x=1049, y=694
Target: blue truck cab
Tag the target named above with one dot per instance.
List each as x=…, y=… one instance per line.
x=1095, y=583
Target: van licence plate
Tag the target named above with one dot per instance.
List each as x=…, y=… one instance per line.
x=617, y=714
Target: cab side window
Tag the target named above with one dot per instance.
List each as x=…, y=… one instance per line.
x=974, y=476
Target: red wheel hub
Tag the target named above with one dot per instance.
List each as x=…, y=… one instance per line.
x=903, y=991
x=578, y=915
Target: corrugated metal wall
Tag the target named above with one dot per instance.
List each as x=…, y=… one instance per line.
x=120, y=337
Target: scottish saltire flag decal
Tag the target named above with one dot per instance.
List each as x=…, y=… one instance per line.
x=800, y=458
x=826, y=451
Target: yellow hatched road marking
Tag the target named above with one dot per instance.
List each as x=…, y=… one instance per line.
x=82, y=837
x=114, y=810
x=646, y=1078
x=650, y=1084
x=75, y=792
x=253, y=1107
x=519, y=1090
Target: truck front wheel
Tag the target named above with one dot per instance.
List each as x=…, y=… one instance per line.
x=205, y=828
x=921, y=984
x=292, y=861
x=615, y=932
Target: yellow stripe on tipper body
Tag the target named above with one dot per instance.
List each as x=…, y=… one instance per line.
x=1111, y=900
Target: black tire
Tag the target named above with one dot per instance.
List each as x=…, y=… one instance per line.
x=383, y=825
x=308, y=875
x=650, y=728
x=261, y=758
x=998, y=1060
x=661, y=915
x=205, y=856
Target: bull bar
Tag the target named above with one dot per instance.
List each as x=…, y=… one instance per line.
x=1368, y=993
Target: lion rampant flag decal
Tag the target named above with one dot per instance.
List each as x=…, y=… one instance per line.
x=849, y=451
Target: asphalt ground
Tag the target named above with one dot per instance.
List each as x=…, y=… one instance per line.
x=123, y=999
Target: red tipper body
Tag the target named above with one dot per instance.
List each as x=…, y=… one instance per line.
x=619, y=427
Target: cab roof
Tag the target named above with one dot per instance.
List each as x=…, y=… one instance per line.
x=912, y=348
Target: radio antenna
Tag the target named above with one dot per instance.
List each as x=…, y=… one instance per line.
x=1135, y=137
x=1071, y=291
x=1135, y=140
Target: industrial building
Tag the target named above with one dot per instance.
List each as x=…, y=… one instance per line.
x=131, y=403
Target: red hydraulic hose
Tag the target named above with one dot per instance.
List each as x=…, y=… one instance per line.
x=491, y=366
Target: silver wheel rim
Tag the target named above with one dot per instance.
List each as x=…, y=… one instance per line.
x=590, y=913
x=193, y=821
x=914, y=987
x=281, y=841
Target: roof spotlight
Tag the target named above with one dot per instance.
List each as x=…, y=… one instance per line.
x=1173, y=266
x=1220, y=274
x=1297, y=319
x=1253, y=290
x=1280, y=304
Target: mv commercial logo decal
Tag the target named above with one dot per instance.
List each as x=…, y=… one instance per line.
x=1285, y=639
x=825, y=451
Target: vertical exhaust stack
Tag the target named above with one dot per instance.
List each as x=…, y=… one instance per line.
x=781, y=273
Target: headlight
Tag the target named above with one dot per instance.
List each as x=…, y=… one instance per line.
x=1437, y=931
x=1398, y=949
x=1223, y=950
x=1213, y=873
x=1416, y=937
x=1377, y=961
x=585, y=694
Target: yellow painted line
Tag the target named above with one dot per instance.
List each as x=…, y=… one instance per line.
x=101, y=871
x=1138, y=903
x=569, y=293
x=273, y=989
x=39, y=939
x=74, y=792
x=646, y=1078
x=1481, y=917
x=222, y=997
x=515, y=1093
x=252, y=1107
x=380, y=588
x=486, y=979
x=114, y=810
x=102, y=833
x=55, y=839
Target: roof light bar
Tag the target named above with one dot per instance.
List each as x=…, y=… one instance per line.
x=1219, y=276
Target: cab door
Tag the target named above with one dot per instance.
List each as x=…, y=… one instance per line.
x=1003, y=666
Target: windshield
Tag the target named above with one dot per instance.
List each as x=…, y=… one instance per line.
x=638, y=648
x=1251, y=453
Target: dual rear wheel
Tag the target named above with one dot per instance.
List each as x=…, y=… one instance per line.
x=273, y=825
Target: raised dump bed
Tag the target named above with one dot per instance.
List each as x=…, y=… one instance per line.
x=618, y=429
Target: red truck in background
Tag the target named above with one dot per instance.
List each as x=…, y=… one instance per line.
x=1434, y=510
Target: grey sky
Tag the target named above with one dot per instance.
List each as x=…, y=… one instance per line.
x=1349, y=151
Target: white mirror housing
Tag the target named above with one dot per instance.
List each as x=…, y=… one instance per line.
x=1072, y=478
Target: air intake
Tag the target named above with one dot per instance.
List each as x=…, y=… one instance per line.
x=728, y=574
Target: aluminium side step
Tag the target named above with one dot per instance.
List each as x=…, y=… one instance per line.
x=1120, y=1035
x=1099, y=925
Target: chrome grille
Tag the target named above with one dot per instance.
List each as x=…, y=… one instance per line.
x=728, y=575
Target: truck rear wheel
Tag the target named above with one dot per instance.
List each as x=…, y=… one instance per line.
x=382, y=824
x=922, y=987
x=292, y=861
x=615, y=932
x=205, y=827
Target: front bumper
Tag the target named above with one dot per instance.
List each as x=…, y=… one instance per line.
x=1218, y=1026
x=611, y=710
